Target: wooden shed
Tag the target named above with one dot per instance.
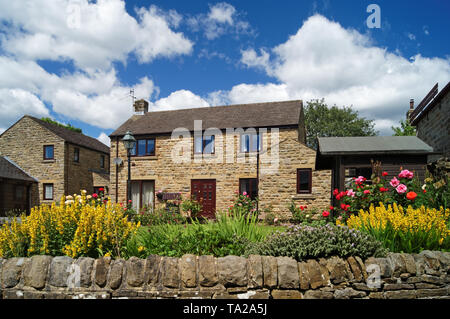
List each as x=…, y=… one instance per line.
x=350, y=157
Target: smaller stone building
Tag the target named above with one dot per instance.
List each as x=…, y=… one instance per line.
x=15, y=187
x=61, y=160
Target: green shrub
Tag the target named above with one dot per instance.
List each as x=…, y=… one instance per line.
x=305, y=242
x=228, y=235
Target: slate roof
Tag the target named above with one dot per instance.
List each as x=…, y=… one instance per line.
x=9, y=169
x=272, y=114
x=423, y=111
x=372, y=145
x=73, y=137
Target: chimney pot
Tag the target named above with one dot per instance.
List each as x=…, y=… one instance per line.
x=411, y=104
x=140, y=107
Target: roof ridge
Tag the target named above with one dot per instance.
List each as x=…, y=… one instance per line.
x=227, y=105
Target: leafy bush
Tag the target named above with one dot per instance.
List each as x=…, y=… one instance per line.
x=78, y=226
x=306, y=242
x=191, y=207
x=409, y=231
x=149, y=217
x=244, y=204
x=228, y=235
x=437, y=185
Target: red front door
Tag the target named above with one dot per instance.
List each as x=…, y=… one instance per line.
x=204, y=190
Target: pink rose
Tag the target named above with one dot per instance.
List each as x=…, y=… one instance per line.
x=401, y=188
x=360, y=179
x=394, y=182
x=244, y=193
x=351, y=193
x=406, y=174
x=366, y=192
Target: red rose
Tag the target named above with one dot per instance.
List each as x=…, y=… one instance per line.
x=331, y=208
x=335, y=192
x=424, y=191
x=94, y=195
x=344, y=207
x=325, y=213
x=101, y=189
x=302, y=208
x=385, y=174
x=411, y=195
x=367, y=191
x=383, y=189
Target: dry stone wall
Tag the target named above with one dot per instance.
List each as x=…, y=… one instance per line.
x=398, y=276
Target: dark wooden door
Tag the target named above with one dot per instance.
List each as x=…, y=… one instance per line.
x=204, y=190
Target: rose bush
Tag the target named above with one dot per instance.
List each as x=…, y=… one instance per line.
x=403, y=189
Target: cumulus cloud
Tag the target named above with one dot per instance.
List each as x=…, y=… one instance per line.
x=325, y=60
x=92, y=35
x=178, y=100
x=221, y=18
x=14, y=103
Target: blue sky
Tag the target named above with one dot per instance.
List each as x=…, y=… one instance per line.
x=76, y=60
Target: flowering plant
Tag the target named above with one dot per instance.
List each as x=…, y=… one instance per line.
x=244, y=204
x=403, y=189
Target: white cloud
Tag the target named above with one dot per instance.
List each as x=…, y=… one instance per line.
x=222, y=13
x=179, y=100
x=221, y=19
x=411, y=36
x=14, y=103
x=92, y=35
x=95, y=97
x=325, y=60
x=104, y=139
x=250, y=58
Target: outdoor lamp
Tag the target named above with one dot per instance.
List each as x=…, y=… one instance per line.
x=129, y=142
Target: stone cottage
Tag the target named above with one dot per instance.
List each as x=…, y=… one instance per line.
x=61, y=160
x=215, y=152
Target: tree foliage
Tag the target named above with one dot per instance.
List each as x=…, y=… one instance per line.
x=405, y=129
x=324, y=121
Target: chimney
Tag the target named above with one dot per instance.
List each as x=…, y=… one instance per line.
x=411, y=109
x=140, y=107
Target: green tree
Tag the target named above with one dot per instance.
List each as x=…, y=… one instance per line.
x=324, y=121
x=405, y=129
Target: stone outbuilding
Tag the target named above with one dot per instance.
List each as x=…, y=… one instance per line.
x=15, y=187
x=213, y=153
x=62, y=161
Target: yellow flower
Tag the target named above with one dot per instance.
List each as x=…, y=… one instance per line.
x=141, y=248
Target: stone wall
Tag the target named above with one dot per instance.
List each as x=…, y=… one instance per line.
x=434, y=127
x=277, y=187
x=398, y=276
x=86, y=173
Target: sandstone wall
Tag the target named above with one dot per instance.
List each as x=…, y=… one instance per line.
x=277, y=184
x=434, y=127
x=400, y=276
x=84, y=174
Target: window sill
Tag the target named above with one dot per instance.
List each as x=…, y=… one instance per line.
x=49, y=161
x=144, y=158
x=304, y=196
